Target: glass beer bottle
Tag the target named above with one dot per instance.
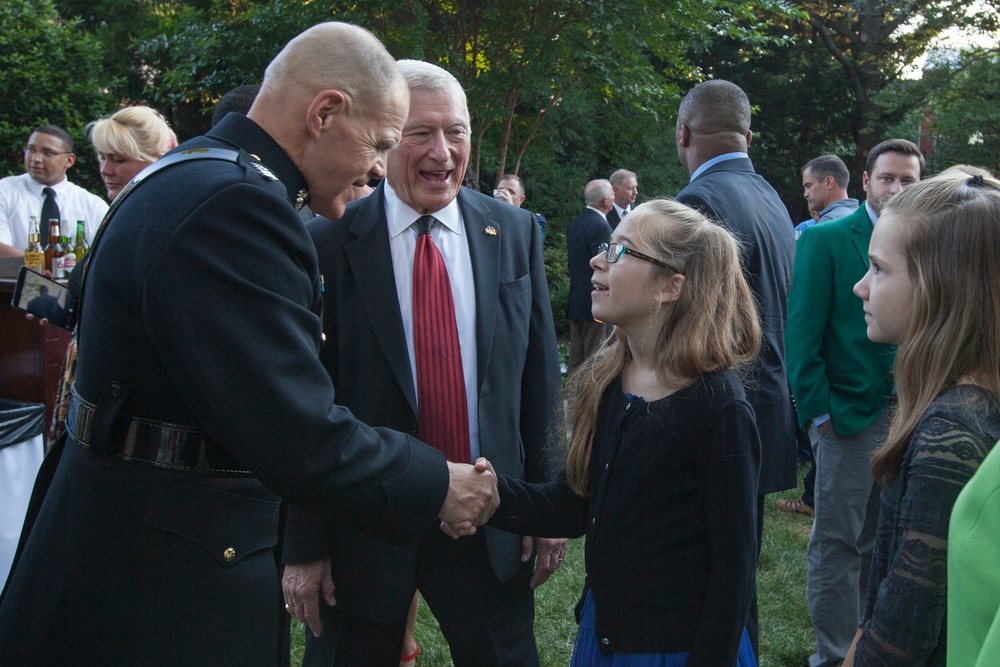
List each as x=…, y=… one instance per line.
x=34, y=254
x=82, y=247
x=54, y=252
x=69, y=255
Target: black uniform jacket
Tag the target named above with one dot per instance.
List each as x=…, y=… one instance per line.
x=201, y=307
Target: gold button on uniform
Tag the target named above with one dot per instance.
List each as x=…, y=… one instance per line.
x=229, y=555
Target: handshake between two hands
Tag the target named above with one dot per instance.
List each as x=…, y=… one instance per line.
x=472, y=498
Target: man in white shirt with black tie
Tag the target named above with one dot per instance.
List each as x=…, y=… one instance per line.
x=45, y=192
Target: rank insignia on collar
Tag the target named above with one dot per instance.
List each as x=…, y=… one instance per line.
x=301, y=199
x=491, y=231
x=264, y=171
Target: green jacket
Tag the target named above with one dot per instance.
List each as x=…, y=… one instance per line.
x=832, y=366
x=973, y=572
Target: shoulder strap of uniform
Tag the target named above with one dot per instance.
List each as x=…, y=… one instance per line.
x=223, y=154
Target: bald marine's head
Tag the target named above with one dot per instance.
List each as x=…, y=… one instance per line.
x=335, y=101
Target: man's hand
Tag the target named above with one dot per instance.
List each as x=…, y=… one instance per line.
x=472, y=497
x=301, y=585
x=41, y=320
x=504, y=195
x=28, y=316
x=551, y=553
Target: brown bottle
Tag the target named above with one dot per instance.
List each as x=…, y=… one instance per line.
x=54, y=252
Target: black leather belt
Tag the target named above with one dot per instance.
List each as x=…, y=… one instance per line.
x=160, y=444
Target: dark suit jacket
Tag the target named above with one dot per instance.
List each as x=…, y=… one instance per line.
x=586, y=231
x=613, y=217
x=201, y=307
x=743, y=202
x=365, y=354
x=832, y=365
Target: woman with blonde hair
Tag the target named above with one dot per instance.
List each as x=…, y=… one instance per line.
x=661, y=471
x=127, y=142
x=933, y=288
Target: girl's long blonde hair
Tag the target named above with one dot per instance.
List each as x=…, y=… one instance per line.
x=713, y=324
x=949, y=229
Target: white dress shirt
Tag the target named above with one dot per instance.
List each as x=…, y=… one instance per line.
x=600, y=212
x=705, y=166
x=450, y=238
x=619, y=210
x=21, y=197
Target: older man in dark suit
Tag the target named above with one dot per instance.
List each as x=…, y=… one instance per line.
x=495, y=303
x=713, y=134
x=586, y=232
x=626, y=188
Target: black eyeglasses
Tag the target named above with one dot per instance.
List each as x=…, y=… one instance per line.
x=614, y=251
x=46, y=153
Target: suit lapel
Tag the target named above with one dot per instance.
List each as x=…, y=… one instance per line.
x=861, y=233
x=484, y=251
x=370, y=259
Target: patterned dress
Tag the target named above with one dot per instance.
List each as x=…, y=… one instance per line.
x=904, y=622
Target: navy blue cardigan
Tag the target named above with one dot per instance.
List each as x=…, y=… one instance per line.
x=671, y=538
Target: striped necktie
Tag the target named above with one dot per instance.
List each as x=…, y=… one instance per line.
x=443, y=411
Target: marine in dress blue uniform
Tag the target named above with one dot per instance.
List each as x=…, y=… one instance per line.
x=199, y=334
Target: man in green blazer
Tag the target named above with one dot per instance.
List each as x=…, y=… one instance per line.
x=842, y=383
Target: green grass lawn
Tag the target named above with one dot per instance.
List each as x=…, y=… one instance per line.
x=786, y=636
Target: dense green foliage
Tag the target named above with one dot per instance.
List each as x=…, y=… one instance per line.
x=49, y=74
x=560, y=91
x=875, y=42
x=962, y=109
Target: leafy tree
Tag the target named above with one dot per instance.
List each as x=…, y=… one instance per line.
x=962, y=109
x=801, y=104
x=115, y=25
x=874, y=42
x=806, y=97
x=529, y=67
x=50, y=74
x=560, y=92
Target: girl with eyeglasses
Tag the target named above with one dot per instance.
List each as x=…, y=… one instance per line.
x=661, y=470
x=933, y=288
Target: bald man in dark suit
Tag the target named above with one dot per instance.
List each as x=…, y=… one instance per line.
x=713, y=135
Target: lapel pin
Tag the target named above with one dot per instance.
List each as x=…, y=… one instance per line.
x=491, y=231
x=301, y=198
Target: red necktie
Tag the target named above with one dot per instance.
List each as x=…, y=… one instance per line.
x=443, y=412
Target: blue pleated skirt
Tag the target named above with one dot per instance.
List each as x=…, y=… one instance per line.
x=586, y=652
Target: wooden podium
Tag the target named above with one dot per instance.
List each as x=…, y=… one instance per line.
x=31, y=355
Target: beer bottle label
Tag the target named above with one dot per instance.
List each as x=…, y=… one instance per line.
x=58, y=268
x=34, y=259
